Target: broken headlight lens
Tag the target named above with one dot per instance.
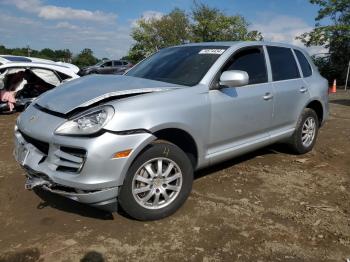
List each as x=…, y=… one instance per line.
x=88, y=122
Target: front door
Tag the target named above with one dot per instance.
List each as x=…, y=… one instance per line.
x=241, y=115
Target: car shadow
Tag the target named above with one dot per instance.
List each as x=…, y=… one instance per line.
x=343, y=102
x=273, y=149
x=92, y=256
x=67, y=205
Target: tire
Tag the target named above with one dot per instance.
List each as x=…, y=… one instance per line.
x=138, y=198
x=298, y=142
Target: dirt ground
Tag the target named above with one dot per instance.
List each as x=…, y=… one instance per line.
x=266, y=206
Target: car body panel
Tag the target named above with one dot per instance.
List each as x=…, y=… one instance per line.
x=247, y=100
x=96, y=88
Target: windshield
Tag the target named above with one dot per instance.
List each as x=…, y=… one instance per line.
x=184, y=65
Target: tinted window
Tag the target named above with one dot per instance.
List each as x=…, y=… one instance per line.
x=283, y=63
x=252, y=61
x=63, y=76
x=117, y=63
x=304, y=64
x=184, y=65
x=108, y=64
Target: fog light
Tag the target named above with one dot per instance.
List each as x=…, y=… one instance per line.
x=122, y=154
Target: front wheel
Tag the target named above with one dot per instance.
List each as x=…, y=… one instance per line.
x=305, y=134
x=158, y=182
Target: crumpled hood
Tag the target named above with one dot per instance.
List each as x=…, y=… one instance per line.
x=88, y=90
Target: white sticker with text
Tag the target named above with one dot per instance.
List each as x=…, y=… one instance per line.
x=212, y=51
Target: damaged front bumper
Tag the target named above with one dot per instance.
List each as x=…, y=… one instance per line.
x=80, y=168
x=103, y=199
x=29, y=156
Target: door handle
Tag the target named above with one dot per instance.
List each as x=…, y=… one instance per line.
x=268, y=96
x=303, y=89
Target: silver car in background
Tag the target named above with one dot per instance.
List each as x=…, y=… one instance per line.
x=135, y=140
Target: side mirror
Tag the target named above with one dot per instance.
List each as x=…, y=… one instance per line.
x=234, y=78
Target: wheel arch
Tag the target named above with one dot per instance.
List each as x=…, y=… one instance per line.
x=317, y=106
x=182, y=139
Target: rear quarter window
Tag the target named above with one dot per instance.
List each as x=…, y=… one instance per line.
x=304, y=64
x=63, y=76
x=283, y=64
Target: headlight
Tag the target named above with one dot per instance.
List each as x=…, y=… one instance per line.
x=88, y=122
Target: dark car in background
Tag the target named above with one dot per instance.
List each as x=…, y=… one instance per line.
x=106, y=67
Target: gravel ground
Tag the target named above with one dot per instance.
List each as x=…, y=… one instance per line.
x=265, y=206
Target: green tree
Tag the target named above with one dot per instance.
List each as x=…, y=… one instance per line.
x=64, y=55
x=47, y=53
x=3, y=50
x=333, y=35
x=211, y=24
x=85, y=58
x=155, y=33
x=201, y=25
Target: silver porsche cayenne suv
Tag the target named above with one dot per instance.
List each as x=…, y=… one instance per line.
x=134, y=141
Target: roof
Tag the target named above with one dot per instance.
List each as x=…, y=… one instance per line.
x=54, y=66
x=16, y=58
x=242, y=43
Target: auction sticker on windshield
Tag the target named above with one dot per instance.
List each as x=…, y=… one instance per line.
x=212, y=51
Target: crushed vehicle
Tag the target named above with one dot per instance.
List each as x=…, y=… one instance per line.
x=22, y=82
x=4, y=59
x=107, y=67
x=134, y=141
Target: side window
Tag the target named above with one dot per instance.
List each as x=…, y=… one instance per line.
x=304, y=64
x=108, y=64
x=63, y=76
x=117, y=63
x=252, y=61
x=283, y=64
x=45, y=75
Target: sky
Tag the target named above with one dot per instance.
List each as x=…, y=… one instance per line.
x=105, y=25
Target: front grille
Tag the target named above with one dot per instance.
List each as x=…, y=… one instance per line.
x=40, y=145
x=74, y=151
x=70, y=159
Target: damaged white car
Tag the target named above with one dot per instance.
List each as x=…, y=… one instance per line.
x=22, y=82
x=4, y=59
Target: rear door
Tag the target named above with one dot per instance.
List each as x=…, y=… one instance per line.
x=242, y=115
x=117, y=66
x=290, y=91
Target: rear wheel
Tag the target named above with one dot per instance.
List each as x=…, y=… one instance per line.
x=305, y=134
x=158, y=182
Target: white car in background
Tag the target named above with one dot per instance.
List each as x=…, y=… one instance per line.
x=22, y=82
x=4, y=59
